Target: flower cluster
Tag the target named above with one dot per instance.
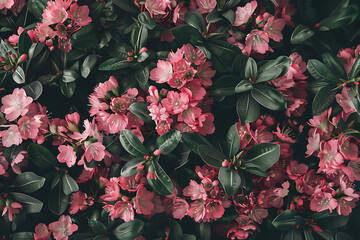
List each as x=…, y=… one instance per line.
x=186, y=107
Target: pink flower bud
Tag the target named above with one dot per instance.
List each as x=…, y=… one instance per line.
x=225, y=163
x=23, y=58
x=144, y=49
x=157, y=152
x=129, y=59
x=2, y=59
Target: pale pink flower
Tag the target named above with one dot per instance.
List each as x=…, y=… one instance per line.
x=13, y=208
x=162, y=73
x=95, y=151
x=28, y=127
x=345, y=205
x=157, y=7
x=205, y=73
x=153, y=97
x=205, y=6
x=79, y=201
x=348, y=148
x=132, y=183
x=123, y=210
x=195, y=191
x=243, y=14
x=11, y=136
x=282, y=192
x=143, y=201
x=349, y=55
x=206, y=124
x=66, y=155
x=179, y=208
x=163, y=126
x=322, y=201
x=314, y=143
x=79, y=14
x=4, y=165
x=344, y=100
x=14, y=39
x=257, y=41
x=196, y=56
x=112, y=189
x=175, y=102
x=197, y=211
x=43, y=31
x=273, y=28
x=7, y=4
x=41, y=232
x=63, y=228
x=54, y=13
x=15, y=104
x=214, y=210
x=158, y=113
x=296, y=170
x=19, y=163
x=330, y=158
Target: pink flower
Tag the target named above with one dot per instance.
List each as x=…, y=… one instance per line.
x=112, y=190
x=344, y=100
x=123, y=210
x=63, y=228
x=132, y=183
x=205, y=6
x=257, y=41
x=13, y=208
x=196, y=56
x=79, y=14
x=19, y=162
x=205, y=74
x=54, y=13
x=179, y=208
x=258, y=214
x=197, y=210
x=214, y=210
x=153, y=97
x=28, y=127
x=157, y=7
x=143, y=201
x=330, y=158
x=345, y=205
x=322, y=201
x=4, y=165
x=158, y=113
x=66, y=155
x=348, y=148
x=162, y=73
x=11, y=136
x=296, y=170
x=175, y=102
x=243, y=14
x=273, y=28
x=95, y=151
x=349, y=55
x=314, y=143
x=41, y=232
x=6, y=4
x=195, y=191
x=15, y=104
x=206, y=124
x=79, y=201
x=163, y=126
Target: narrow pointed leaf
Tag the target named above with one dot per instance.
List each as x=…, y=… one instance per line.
x=132, y=144
x=230, y=180
x=211, y=156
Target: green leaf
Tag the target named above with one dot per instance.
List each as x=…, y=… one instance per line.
x=82, y=236
x=97, y=226
x=142, y=57
x=243, y=86
x=24, y=43
x=69, y=75
x=341, y=17
x=203, y=230
x=112, y=144
x=129, y=230
x=34, y=90
x=294, y=234
x=285, y=220
x=334, y=64
x=41, y=156
x=222, y=54
x=230, y=180
x=333, y=221
x=268, y=97
x=127, y=5
x=233, y=141
x=320, y=72
x=250, y=69
x=355, y=69
x=139, y=37
x=130, y=168
x=162, y=184
x=323, y=100
x=132, y=144
x=301, y=34
x=36, y=7
x=146, y=20
x=68, y=184
x=30, y=204
x=273, y=69
x=57, y=200
x=28, y=182
x=114, y=64
x=86, y=37
x=193, y=140
x=238, y=65
x=247, y=108
x=211, y=156
x=308, y=235
x=67, y=89
x=19, y=75
x=22, y=236
x=186, y=34
x=88, y=65
x=140, y=109
x=262, y=155
x=213, y=16
x=142, y=75
x=257, y=171
x=168, y=141
x=224, y=86
x=196, y=20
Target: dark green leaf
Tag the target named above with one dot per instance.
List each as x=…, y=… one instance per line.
x=294, y=234
x=127, y=5
x=250, y=69
x=233, y=141
x=86, y=37
x=19, y=75
x=112, y=144
x=67, y=89
x=36, y=7
x=28, y=182
x=222, y=54
x=301, y=34
x=203, y=230
x=247, y=108
x=57, y=200
x=262, y=155
x=140, y=110
x=68, y=184
x=139, y=37
x=308, y=235
x=230, y=16
x=355, y=68
x=24, y=43
x=334, y=64
x=142, y=75
x=333, y=221
x=193, y=140
x=224, y=86
x=168, y=141
x=97, y=226
x=129, y=230
x=323, y=100
x=132, y=144
x=22, y=236
x=146, y=20
x=285, y=220
x=341, y=17
x=30, y=204
x=162, y=184
x=211, y=156
x=34, y=90
x=186, y=34
x=320, y=72
x=41, y=156
x=114, y=64
x=238, y=65
x=142, y=57
x=130, y=168
x=230, y=180
x=82, y=236
x=243, y=86
x=273, y=69
x=88, y=65
x=196, y=20
x=213, y=16
x=268, y=97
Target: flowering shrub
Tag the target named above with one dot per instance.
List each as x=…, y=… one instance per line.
x=170, y=119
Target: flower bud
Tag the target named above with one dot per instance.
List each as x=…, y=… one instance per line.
x=157, y=152
x=144, y=49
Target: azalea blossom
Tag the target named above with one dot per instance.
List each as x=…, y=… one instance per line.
x=63, y=228
x=15, y=104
